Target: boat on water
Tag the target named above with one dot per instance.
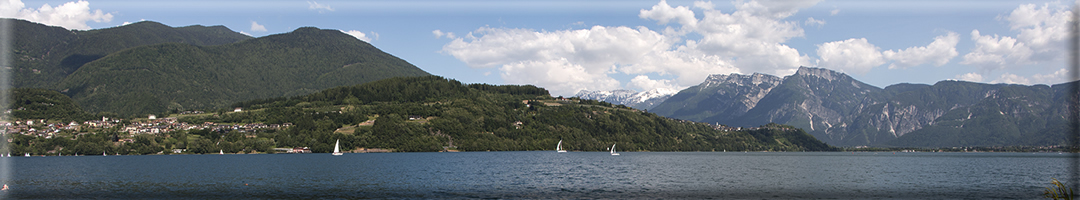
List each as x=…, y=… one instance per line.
x=27, y=155
x=613, y=150
x=221, y=152
x=337, y=148
x=558, y=148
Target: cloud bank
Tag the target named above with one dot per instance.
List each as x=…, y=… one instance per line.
x=699, y=40
x=70, y=15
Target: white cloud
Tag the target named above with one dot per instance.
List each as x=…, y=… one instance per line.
x=851, y=55
x=814, y=22
x=70, y=15
x=437, y=33
x=1042, y=37
x=970, y=77
x=359, y=35
x=664, y=13
x=834, y=12
x=1009, y=78
x=996, y=52
x=644, y=83
x=749, y=39
x=561, y=77
x=1058, y=76
x=319, y=7
x=245, y=33
x=257, y=27
x=938, y=53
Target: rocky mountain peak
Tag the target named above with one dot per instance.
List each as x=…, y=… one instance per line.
x=820, y=73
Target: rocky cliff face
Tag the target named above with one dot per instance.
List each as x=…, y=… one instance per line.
x=843, y=111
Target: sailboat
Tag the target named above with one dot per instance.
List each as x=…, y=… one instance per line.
x=103, y=153
x=221, y=152
x=27, y=155
x=559, y=148
x=613, y=150
x=337, y=148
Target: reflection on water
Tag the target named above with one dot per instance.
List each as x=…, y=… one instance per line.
x=541, y=174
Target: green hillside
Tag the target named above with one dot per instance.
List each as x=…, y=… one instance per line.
x=33, y=103
x=44, y=55
x=481, y=117
x=176, y=76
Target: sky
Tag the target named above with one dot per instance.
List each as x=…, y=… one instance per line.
x=570, y=45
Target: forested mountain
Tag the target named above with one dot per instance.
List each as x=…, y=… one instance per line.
x=840, y=110
x=429, y=113
x=178, y=76
x=44, y=55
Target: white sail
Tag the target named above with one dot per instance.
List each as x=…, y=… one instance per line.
x=27, y=155
x=337, y=148
x=613, y=150
x=221, y=152
x=559, y=148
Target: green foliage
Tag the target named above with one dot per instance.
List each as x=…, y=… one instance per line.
x=32, y=103
x=1059, y=191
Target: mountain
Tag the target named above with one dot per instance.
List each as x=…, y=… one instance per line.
x=45, y=55
x=481, y=117
x=840, y=110
x=177, y=76
x=640, y=100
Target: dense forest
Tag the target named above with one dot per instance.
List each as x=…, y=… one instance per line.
x=432, y=113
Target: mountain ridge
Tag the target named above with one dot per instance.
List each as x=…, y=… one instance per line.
x=176, y=76
x=45, y=55
x=843, y=111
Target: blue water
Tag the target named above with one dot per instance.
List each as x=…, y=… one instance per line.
x=546, y=174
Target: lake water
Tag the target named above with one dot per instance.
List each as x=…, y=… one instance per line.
x=542, y=174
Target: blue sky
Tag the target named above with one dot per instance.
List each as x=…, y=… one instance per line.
x=567, y=46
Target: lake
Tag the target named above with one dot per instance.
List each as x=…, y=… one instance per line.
x=542, y=174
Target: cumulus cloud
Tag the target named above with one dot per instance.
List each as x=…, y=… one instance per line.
x=1043, y=31
x=834, y=12
x=851, y=55
x=970, y=77
x=70, y=15
x=859, y=55
x=664, y=13
x=257, y=27
x=749, y=39
x=561, y=77
x=1009, y=78
x=1061, y=75
x=644, y=83
x=939, y=52
x=319, y=7
x=814, y=22
x=359, y=35
x=439, y=34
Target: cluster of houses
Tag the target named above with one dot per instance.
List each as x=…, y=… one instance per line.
x=40, y=128
x=156, y=126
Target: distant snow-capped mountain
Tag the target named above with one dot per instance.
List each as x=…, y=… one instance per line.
x=634, y=99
